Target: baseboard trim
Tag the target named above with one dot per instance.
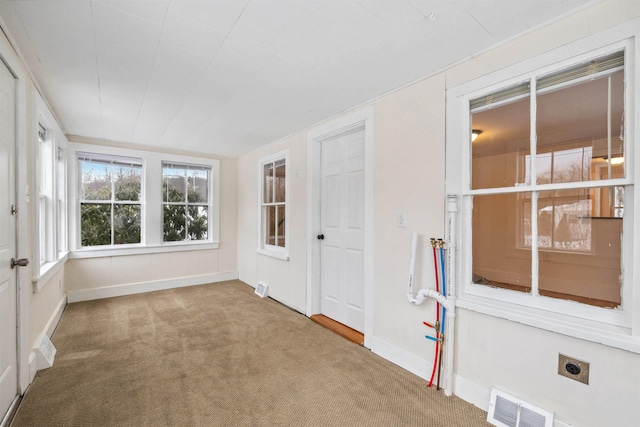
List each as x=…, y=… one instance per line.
x=49, y=328
x=471, y=392
x=402, y=358
x=141, y=287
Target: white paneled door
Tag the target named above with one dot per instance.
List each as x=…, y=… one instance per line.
x=342, y=229
x=8, y=314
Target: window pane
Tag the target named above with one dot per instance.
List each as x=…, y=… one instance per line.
x=497, y=261
x=198, y=225
x=198, y=182
x=173, y=184
x=127, y=183
x=280, y=182
x=267, y=196
x=175, y=223
x=584, y=260
x=574, y=131
x=96, y=181
x=95, y=224
x=499, y=153
x=270, y=225
x=280, y=226
x=126, y=224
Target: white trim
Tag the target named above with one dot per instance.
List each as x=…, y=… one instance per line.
x=471, y=392
x=101, y=252
x=283, y=255
x=49, y=328
x=47, y=271
x=155, y=285
x=363, y=118
x=406, y=360
x=52, y=324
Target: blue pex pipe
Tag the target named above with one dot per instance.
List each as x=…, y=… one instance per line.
x=444, y=284
x=429, y=337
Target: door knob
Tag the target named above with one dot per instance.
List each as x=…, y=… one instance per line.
x=320, y=236
x=22, y=262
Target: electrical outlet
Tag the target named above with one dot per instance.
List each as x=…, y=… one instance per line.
x=573, y=368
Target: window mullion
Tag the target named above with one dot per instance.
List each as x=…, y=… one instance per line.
x=535, y=258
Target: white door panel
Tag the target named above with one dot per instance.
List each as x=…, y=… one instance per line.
x=8, y=313
x=342, y=224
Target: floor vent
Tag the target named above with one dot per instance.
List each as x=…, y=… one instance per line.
x=45, y=352
x=262, y=290
x=509, y=411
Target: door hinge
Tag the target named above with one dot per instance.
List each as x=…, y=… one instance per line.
x=14, y=209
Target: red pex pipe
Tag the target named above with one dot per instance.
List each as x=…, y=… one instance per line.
x=435, y=357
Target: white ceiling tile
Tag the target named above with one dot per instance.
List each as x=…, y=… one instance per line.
x=341, y=21
x=175, y=74
x=152, y=11
x=191, y=36
x=80, y=104
x=252, y=43
x=126, y=46
x=280, y=18
x=398, y=12
x=505, y=21
x=222, y=80
x=219, y=15
x=63, y=35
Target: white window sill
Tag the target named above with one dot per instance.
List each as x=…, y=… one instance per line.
x=274, y=254
x=589, y=330
x=141, y=250
x=47, y=271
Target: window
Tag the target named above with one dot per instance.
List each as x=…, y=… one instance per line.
x=273, y=205
x=137, y=202
x=555, y=198
x=45, y=192
x=51, y=205
x=546, y=219
x=110, y=200
x=185, y=197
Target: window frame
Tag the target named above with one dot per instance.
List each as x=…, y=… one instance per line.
x=152, y=216
x=618, y=327
x=50, y=239
x=187, y=204
x=263, y=247
x=112, y=202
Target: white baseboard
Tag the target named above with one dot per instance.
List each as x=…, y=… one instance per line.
x=141, y=287
x=412, y=363
x=33, y=366
x=471, y=392
x=462, y=387
x=49, y=328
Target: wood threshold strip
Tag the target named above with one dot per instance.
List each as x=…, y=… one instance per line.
x=338, y=328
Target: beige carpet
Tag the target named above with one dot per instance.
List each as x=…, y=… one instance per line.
x=218, y=355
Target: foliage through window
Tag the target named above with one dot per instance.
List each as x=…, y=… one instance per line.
x=110, y=200
x=185, y=196
x=543, y=180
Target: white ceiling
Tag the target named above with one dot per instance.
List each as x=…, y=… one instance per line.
x=225, y=77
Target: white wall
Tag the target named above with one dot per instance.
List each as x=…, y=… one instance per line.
x=409, y=176
x=286, y=279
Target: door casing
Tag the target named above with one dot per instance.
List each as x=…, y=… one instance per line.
x=364, y=119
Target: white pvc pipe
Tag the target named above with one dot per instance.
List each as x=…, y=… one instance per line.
x=452, y=210
x=412, y=261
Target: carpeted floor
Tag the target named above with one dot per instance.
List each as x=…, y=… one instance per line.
x=218, y=355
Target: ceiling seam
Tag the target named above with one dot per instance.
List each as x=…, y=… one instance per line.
x=95, y=47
